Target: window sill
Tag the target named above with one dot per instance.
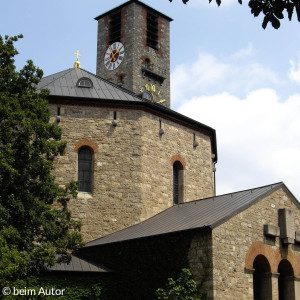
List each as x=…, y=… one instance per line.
x=84, y=195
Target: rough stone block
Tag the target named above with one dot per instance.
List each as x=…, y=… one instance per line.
x=271, y=230
x=287, y=225
x=297, y=237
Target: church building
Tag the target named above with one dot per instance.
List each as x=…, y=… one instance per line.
x=146, y=174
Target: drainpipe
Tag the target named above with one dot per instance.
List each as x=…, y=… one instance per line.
x=214, y=171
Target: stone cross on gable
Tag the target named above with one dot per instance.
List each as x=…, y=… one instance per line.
x=286, y=228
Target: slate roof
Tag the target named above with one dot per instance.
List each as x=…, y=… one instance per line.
x=63, y=89
x=64, y=84
x=78, y=265
x=209, y=212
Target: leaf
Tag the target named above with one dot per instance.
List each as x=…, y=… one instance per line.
x=290, y=10
x=298, y=13
x=256, y=7
x=275, y=22
x=279, y=14
x=265, y=21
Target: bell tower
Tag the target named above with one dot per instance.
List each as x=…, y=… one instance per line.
x=133, y=50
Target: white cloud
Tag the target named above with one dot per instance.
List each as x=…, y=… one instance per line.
x=294, y=72
x=258, y=137
x=203, y=73
x=244, y=53
x=258, y=133
x=237, y=73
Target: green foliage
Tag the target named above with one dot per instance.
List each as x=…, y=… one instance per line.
x=32, y=232
x=76, y=287
x=68, y=288
x=184, y=288
x=271, y=9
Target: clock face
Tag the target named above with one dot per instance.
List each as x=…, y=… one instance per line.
x=154, y=91
x=114, y=56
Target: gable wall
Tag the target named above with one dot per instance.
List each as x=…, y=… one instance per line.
x=235, y=239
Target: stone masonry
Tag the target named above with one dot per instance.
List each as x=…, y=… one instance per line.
x=237, y=242
x=132, y=167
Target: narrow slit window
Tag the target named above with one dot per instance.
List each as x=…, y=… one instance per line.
x=177, y=183
x=85, y=162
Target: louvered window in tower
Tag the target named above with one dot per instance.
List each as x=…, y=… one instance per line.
x=85, y=160
x=152, y=30
x=115, y=28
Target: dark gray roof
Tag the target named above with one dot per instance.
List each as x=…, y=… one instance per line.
x=64, y=84
x=133, y=1
x=78, y=265
x=209, y=212
x=63, y=87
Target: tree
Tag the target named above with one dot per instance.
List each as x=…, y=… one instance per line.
x=36, y=228
x=183, y=288
x=272, y=9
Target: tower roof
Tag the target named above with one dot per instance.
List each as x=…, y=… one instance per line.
x=134, y=1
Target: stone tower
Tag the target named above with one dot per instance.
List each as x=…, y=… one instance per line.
x=134, y=50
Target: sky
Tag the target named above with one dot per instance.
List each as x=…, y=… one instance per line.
x=226, y=72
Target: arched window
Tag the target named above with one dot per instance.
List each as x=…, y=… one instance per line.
x=262, y=286
x=177, y=182
x=286, y=288
x=147, y=63
x=85, y=169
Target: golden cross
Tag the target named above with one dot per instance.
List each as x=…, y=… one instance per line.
x=77, y=63
x=77, y=54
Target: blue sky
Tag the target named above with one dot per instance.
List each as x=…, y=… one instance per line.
x=226, y=72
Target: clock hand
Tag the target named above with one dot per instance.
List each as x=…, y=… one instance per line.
x=114, y=54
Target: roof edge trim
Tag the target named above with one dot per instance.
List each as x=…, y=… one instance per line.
x=273, y=188
x=129, y=2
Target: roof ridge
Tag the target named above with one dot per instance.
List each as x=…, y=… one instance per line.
x=113, y=84
x=64, y=72
x=183, y=217
x=231, y=193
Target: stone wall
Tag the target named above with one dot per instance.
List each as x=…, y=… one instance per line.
x=132, y=167
x=238, y=241
x=200, y=260
x=159, y=154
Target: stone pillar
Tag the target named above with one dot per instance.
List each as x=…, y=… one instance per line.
x=270, y=283
x=249, y=274
x=297, y=287
x=274, y=283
